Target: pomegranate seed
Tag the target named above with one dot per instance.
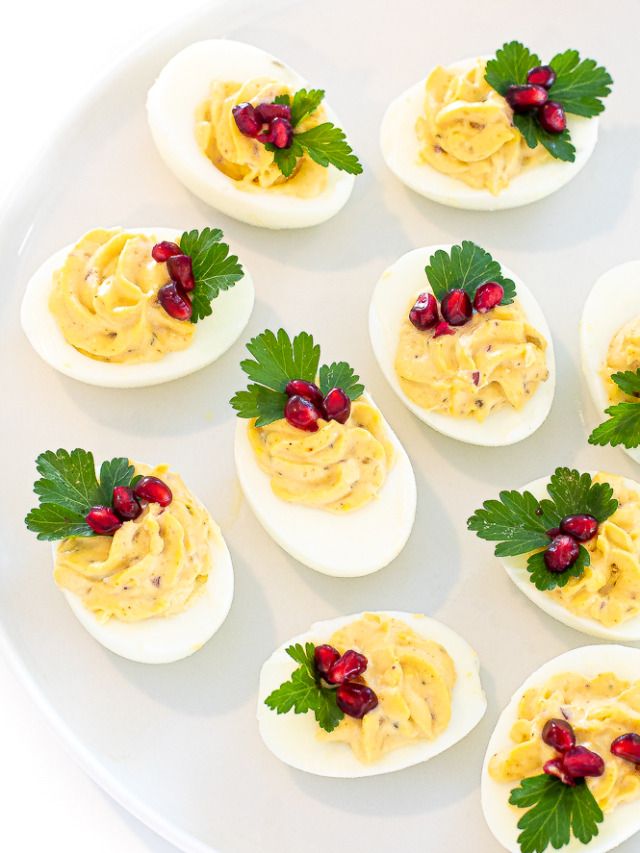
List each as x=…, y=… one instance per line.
x=246, y=120
x=180, y=269
x=522, y=99
x=267, y=112
x=579, y=762
x=553, y=532
x=561, y=554
x=456, y=307
x=153, y=490
x=559, y=735
x=337, y=406
x=350, y=665
x=301, y=413
x=627, y=747
x=304, y=389
x=552, y=117
x=542, y=75
x=356, y=700
x=324, y=657
x=280, y=133
x=161, y=252
x=424, y=314
x=555, y=767
x=443, y=329
x=488, y=296
x=175, y=301
x=103, y=520
x=125, y=503
x=581, y=527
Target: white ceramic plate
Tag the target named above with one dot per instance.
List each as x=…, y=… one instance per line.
x=178, y=745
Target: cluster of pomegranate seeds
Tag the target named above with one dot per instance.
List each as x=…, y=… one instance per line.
x=456, y=308
x=353, y=698
x=627, y=747
x=533, y=96
x=564, y=548
x=266, y=123
x=573, y=763
x=126, y=504
x=306, y=405
x=174, y=296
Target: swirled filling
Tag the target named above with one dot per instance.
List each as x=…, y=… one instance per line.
x=623, y=354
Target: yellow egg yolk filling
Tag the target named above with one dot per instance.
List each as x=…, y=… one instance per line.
x=609, y=588
x=495, y=360
x=413, y=678
x=244, y=159
x=154, y=565
x=339, y=468
x=467, y=131
x=623, y=354
x=599, y=709
x=105, y=299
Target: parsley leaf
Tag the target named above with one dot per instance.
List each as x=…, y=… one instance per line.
x=277, y=360
x=623, y=426
x=304, y=103
x=286, y=158
x=511, y=64
x=327, y=145
x=559, y=145
x=214, y=269
x=579, y=85
x=467, y=266
x=340, y=375
x=515, y=521
x=555, y=811
x=264, y=404
x=51, y=522
x=304, y=692
x=628, y=381
x=573, y=493
x=116, y=472
x=542, y=578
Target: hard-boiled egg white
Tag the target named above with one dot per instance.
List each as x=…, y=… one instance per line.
x=401, y=283
x=165, y=639
x=171, y=108
x=292, y=737
x=401, y=151
x=619, y=824
x=627, y=632
x=613, y=302
x=214, y=335
x=348, y=545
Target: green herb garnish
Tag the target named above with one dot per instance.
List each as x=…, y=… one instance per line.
x=214, y=269
x=623, y=426
x=468, y=267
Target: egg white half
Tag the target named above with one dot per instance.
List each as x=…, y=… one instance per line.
x=214, y=335
x=351, y=544
x=628, y=632
x=401, y=151
x=171, y=108
x=292, y=737
x=402, y=282
x=165, y=639
x=614, y=301
x=618, y=825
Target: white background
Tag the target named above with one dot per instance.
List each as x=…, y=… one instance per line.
x=51, y=54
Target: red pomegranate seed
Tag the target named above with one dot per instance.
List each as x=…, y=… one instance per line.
x=267, y=112
x=488, y=296
x=350, y=665
x=522, y=99
x=304, y=389
x=125, y=503
x=180, y=269
x=164, y=250
x=581, y=527
x=542, y=75
x=103, y=520
x=456, y=307
x=175, y=301
x=555, y=767
x=324, y=657
x=337, y=406
x=579, y=762
x=355, y=699
x=552, y=117
x=553, y=532
x=443, y=329
x=280, y=133
x=424, y=314
x=561, y=553
x=627, y=747
x=301, y=413
x=246, y=120
x=559, y=735
x=154, y=490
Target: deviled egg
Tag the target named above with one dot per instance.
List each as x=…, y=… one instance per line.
x=129, y=308
x=386, y=690
x=491, y=133
x=241, y=130
x=318, y=464
x=566, y=751
x=138, y=558
x=464, y=344
x=571, y=544
x=609, y=333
